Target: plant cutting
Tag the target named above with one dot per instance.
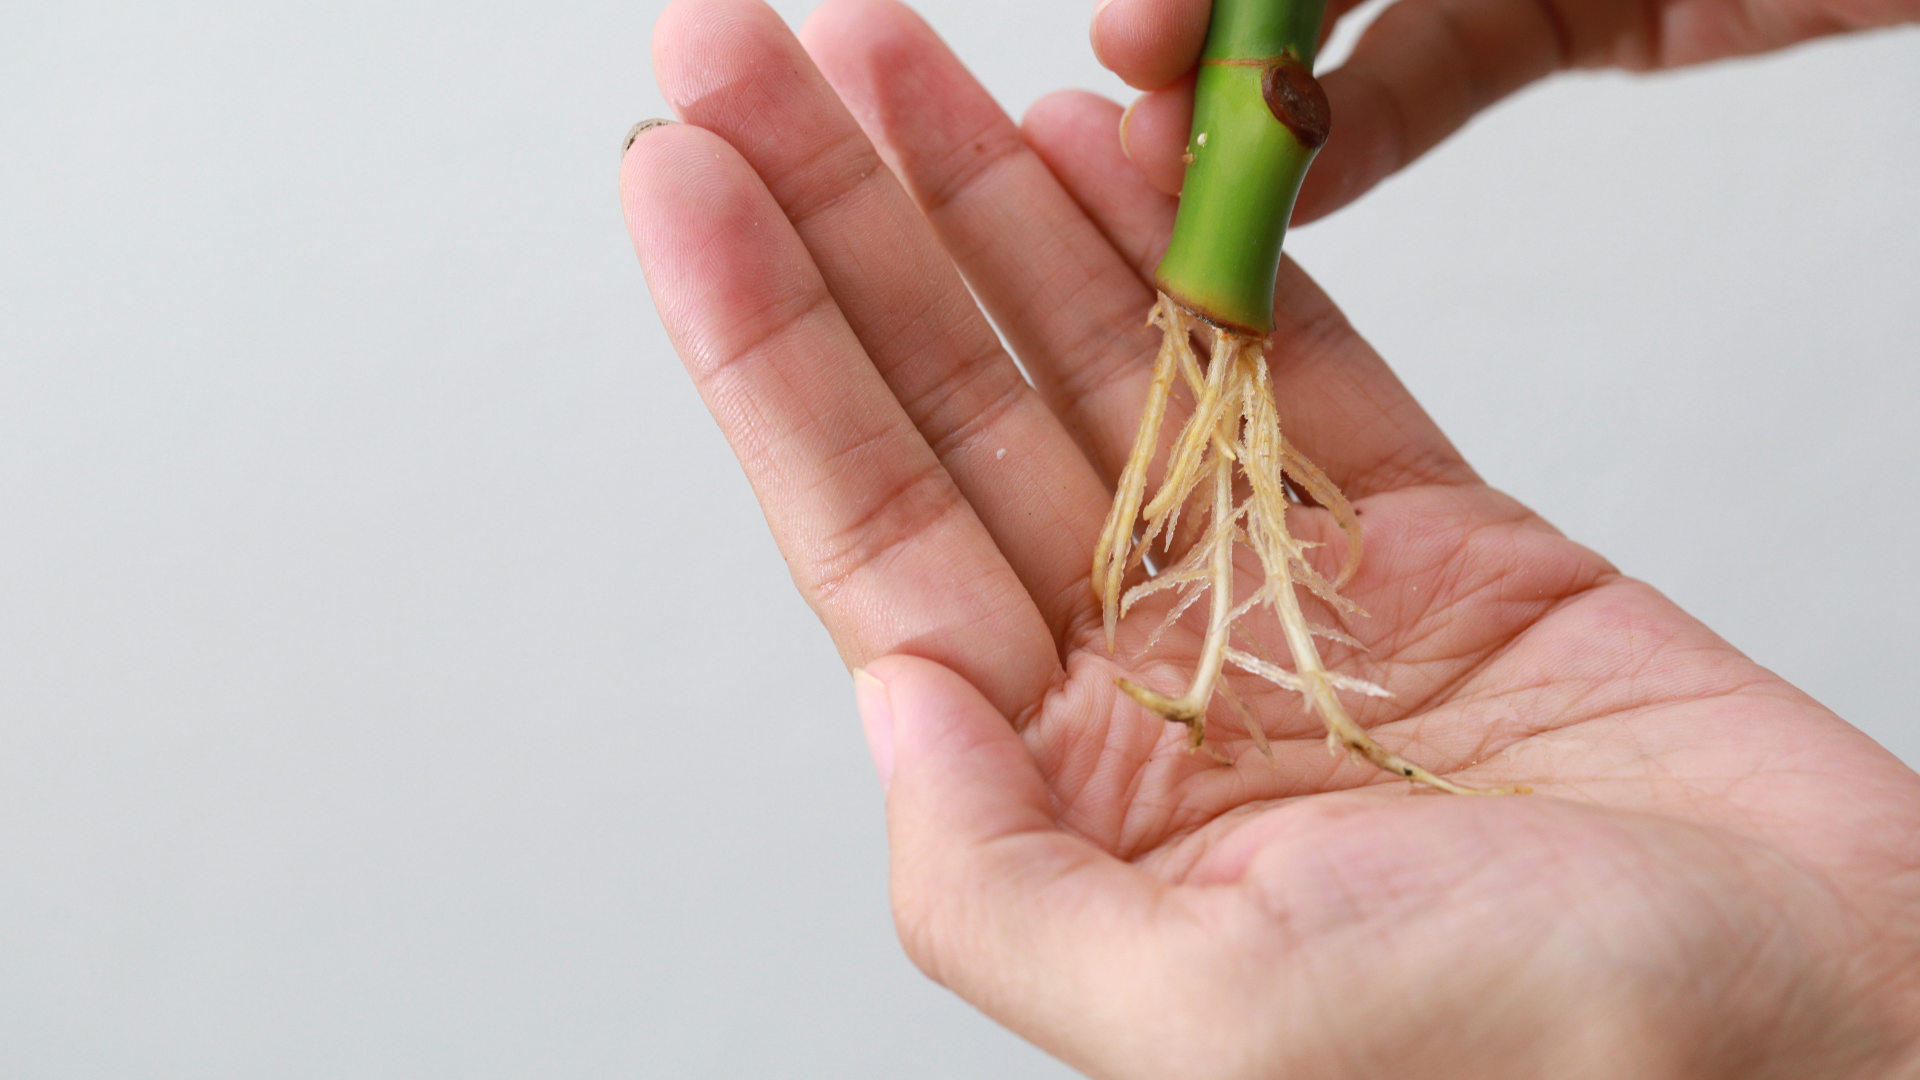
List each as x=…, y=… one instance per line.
x=1259, y=118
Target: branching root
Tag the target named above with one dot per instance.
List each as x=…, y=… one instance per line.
x=1233, y=432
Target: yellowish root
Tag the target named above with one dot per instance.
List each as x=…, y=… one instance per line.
x=1234, y=424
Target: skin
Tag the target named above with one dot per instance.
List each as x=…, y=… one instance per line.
x=1716, y=878
x=1425, y=67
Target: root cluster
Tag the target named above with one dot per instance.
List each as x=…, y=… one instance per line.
x=1234, y=425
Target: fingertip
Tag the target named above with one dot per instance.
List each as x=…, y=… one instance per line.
x=657, y=155
x=1095, y=37
x=1061, y=106
x=1153, y=135
x=835, y=18
x=919, y=106
x=720, y=259
x=842, y=34
x=1150, y=43
x=700, y=46
x=670, y=41
x=1066, y=123
x=631, y=171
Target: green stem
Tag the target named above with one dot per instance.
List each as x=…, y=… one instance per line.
x=1258, y=119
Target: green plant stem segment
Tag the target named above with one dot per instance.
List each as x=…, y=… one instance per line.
x=1259, y=117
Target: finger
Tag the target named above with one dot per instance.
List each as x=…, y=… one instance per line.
x=1419, y=73
x=1044, y=932
x=1340, y=403
x=1154, y=131
x=732, y=66
x=1150, y=43
x=1426, y=67
x=879, y=539
x=1072, y=310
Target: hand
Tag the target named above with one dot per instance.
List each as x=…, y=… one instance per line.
x=1717, y=878
x=1425, y=67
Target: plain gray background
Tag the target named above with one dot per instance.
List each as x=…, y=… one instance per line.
x=396, y=678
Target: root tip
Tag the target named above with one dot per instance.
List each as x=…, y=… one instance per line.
x=1165, y=707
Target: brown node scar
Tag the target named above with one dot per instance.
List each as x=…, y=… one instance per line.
x=1297, y=100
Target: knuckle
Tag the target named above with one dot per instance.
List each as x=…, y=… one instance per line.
x=891, y=522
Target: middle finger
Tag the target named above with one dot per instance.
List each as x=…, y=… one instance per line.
x=1072, y=309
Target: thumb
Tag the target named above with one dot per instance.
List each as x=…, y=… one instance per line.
x=1041, y=930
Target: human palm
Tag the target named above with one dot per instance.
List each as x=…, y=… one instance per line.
x=1708, y=849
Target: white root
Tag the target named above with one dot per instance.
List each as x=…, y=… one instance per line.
x=1235, y=427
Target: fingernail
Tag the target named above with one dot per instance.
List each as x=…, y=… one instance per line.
x=1124, y=118
x=638, y=130
x=876, y=718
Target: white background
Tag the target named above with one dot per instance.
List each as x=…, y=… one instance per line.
x=396, y=678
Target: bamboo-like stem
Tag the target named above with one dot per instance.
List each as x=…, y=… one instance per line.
x=1258, y=120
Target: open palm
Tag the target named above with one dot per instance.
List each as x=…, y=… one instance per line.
x=1709, y=849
